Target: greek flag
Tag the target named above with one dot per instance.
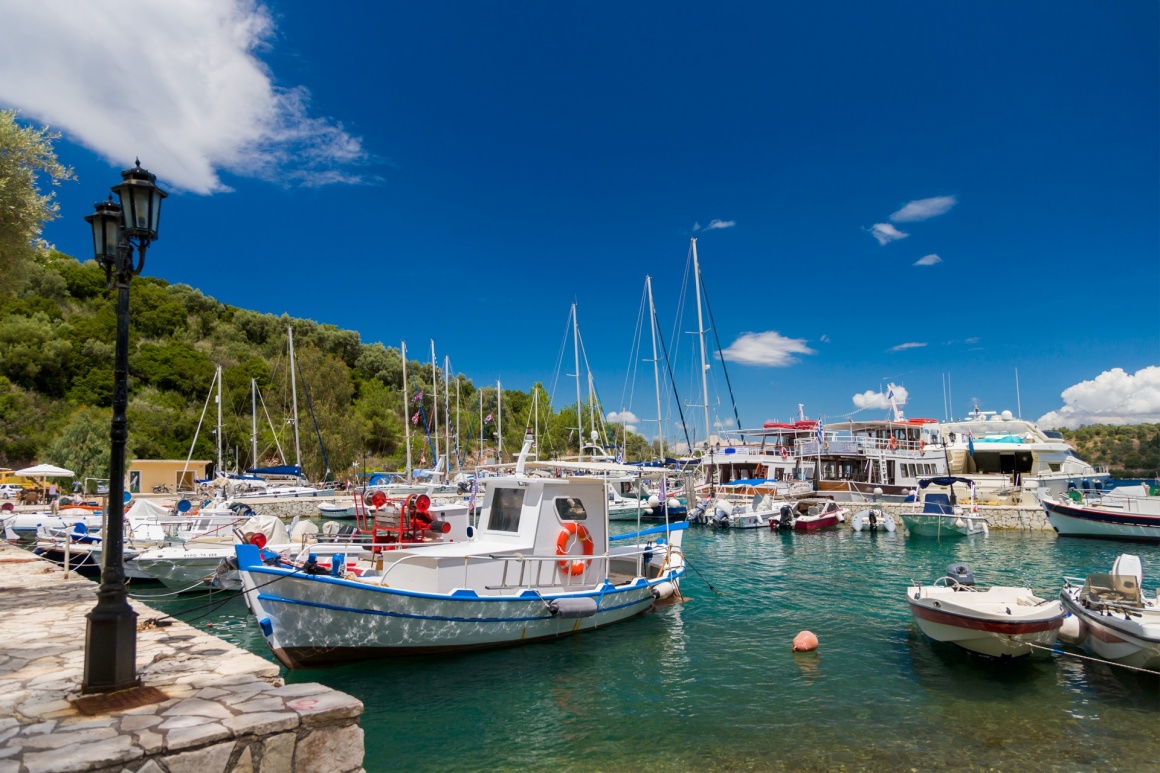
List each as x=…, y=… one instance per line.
x=619, y=456
x=474, y=492
x=487, y=420
x=821, y=434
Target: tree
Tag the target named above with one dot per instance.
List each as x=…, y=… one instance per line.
x=83, y=445
x=26, y=155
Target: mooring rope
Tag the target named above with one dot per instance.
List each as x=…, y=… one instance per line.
x=1094, y=660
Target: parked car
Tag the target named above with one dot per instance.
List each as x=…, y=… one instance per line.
x=9, y=490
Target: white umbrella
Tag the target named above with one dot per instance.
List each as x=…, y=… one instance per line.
x=45, y=471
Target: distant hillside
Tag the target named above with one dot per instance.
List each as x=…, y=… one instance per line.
x=56, y=383
x=1131, y=451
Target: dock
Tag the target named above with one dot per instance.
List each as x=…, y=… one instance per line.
x=204, y=705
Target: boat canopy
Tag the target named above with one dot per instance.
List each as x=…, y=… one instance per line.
x=282, y=469
x=944, y=481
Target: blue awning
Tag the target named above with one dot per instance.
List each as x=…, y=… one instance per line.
x=284, y=469
x=944, y=481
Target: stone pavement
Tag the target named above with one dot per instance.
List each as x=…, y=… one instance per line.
x=222, y=710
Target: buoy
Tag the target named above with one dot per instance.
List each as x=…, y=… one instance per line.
x=805, y=642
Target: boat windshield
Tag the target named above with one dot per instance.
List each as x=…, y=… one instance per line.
x=1115, y=588
x=570, y=509
x=506, y=505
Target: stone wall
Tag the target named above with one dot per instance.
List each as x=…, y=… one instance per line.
x=998, y=517
x=211, y=708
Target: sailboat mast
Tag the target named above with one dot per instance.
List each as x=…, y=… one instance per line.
x=218, y=376
x=592, y=408
x=701, y=335
x=499, y=421
x=479, y=460
x=579, y=405
x=652, y=324
x=458, y=437
x=447, y=413
x=435, y=402
x=406, y=410
x=254, y=421
x=294, y=402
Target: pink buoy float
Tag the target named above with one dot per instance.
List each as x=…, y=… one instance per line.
x=805, y=642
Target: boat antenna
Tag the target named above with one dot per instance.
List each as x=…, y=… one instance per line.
x=294, y=402
x=673, y=382
x=1018, y=401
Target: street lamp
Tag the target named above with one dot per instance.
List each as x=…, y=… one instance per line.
x=111, y=634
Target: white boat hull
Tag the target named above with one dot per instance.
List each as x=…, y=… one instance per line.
x=1002, y=627
x=309, y=621
x=1133, y=642
x=929, y=525
x=1075, y=521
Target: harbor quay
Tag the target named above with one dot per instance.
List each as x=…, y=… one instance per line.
x=204, y=705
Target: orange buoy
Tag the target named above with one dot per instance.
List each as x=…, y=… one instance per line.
x=805, y=642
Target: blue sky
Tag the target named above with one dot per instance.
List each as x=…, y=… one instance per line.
x=464, y=171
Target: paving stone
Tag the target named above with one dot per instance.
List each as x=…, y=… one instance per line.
x=260, y=703
x=199, y=708
x=211, y=759
x=150, y=742
x=176, y=722
x=150, y=766
x=278, y=753
x=9, y=766
x=263, y=723
x=61, y=739
x=330, y=750
x=209, y=693
x=326, y=707
x=39, y=727
x=81, y=757
x=184, y=737
x=39, y=707
x=298, y=690
x=133, y=723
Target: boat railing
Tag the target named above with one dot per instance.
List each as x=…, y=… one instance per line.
x=859, y=445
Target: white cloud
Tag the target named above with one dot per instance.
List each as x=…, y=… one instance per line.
x=623, y=417
x=1113, y=397
x=824, y=339
x=870, y=399
x=722, y=423
x=717, y=224
x=924, y=209
x=768, y=348
x=886, y=233
x=928, y=260
x=176, y=83
x=905, y=346
x=971, y=340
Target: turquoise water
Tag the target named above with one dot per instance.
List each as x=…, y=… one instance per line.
x=712, y=684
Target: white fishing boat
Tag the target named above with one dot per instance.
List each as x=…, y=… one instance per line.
x=1113, y=515
x=540, y=565
x=757, y=513
x=937, y=513
x=996, y=621
x=23, y=528
x=1114, y=618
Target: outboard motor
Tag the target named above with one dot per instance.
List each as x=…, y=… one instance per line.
x=720, y=519
x=785, y=521
x=961, y=574
x=873, y=518
x=697, y=514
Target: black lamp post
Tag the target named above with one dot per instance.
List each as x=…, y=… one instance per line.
x=111, y=636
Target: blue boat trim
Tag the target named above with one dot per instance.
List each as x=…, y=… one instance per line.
x=676, y=526
x=440, y=618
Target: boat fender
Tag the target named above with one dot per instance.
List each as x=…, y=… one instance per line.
x=648, y=553
x=1073, y=630
x=893, y=443
x=961, y=573
x=256, y=538
x=267, y=626
x=664, y=590
x=805, y=642
x=570, y=608
x=338, y=565
x=439, y=527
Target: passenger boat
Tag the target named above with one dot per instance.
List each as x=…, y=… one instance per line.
x=538, y=565
x=1116, y=620
x=994, y=621
x=1108, y=516
x=938, y=513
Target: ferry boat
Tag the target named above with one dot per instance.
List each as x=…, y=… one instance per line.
x=539, y=564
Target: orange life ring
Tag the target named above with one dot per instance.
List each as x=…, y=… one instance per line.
x=578, y=530
x=893, y=443
x=784, y=452
x=921, y=445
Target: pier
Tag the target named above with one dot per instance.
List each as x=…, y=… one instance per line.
x=204, y=705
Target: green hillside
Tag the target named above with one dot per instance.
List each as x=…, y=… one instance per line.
x=1131, y=451
x=56, y=379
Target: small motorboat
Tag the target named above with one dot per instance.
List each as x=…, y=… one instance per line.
x=815, y=515
x=1113, y=617
x=938, y=513
x=755, y=514
x=873, y=519
x=997, y=621
x=1107, y=516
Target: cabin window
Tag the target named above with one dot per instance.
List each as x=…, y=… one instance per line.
x=1053, y=466
x=506, y=505
x=570, y=509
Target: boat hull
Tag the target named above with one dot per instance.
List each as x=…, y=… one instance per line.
x=1111, y=637
x=984, y=634
x=943, y=526
x=808, y=523
x=1071, y=521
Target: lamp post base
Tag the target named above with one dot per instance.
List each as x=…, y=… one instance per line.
x=111, y=650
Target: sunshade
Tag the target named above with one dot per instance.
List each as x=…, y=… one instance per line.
x=45, y=471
